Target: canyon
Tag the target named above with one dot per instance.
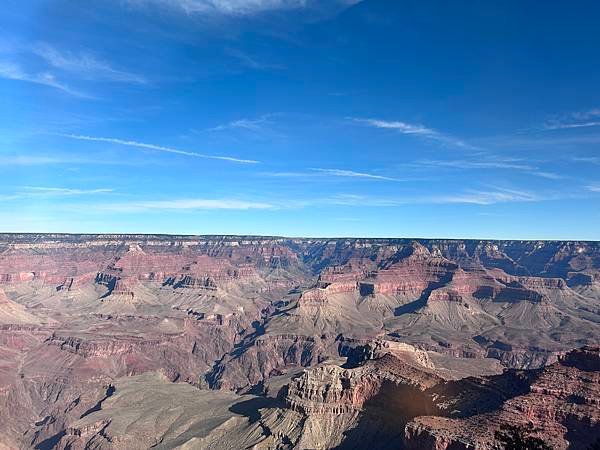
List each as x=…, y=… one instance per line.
x=229, y=342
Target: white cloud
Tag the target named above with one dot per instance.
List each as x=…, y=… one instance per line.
x=57, y=191
x=468, y=164
x=353, y=174
x=509, y=164
x=403, y=127
x=474, y=197
x=565, y=126
x=255, y=125
x=362, y=200
x=184, y=204
x=479, y=197
x=578, y=119
x=13, y=71
x=415, y=130
x=158, y=148
x=237, y=7
x=69, y=160
x=5, y=197
x=28, y=160
x=84, y=65
x=318, y=172
x=31, y=192
x=252, y=62
x=584, y=115
x=548, y=175
x=594, y=187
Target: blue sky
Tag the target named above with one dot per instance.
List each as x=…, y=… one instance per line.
x=301, y=118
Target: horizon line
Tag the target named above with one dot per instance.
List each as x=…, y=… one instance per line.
x=267, y=236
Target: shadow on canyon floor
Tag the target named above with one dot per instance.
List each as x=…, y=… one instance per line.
x=385, y=415
x=250, y=408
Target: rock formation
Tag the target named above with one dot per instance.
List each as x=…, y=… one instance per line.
x=295, y=343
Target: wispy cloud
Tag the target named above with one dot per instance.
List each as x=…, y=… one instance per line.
x=252, y=62
x=578, y=119
x=69, y=160
x=473, y=197
x=565, y=126
x=28, y=160
x=488, y=197
x=84, y=65
x=594, y=187
x=469, y=164
x=362, y=200
x=13, y=71
x=263, y=127
x=586, y=159
x=158, y=148
x=415, y=130
x=548, y=140
x=183, y=204
x=255, y=125
x=32, y=192
x=235, y=7
x=492, y=164
x=59, y=191
x=586, y=114
x=353, y=174
x=315, y=172
x=548, y=175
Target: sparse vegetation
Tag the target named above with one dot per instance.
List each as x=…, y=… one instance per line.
x=513, y=437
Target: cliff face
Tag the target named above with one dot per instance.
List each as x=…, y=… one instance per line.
x=559, y=401
x=235, y=313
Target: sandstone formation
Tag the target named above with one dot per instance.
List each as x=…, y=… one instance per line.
x=132, y=341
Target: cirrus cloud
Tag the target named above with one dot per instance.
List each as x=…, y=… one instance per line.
x=239, y=7
x=159, y=148
x=183, y=204
x=415, y=130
